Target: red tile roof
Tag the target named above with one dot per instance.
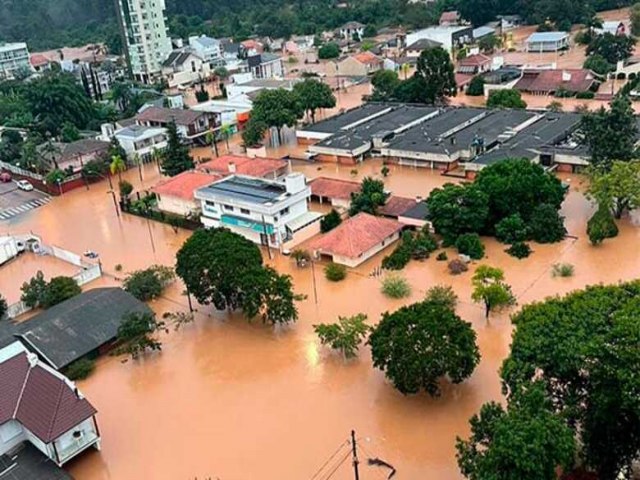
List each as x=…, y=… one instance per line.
x=355, y=236
x=463, y=79
x=39, y=399
x=38, y=60
x=449, y=17
x=476, y=60
x=253, y=167
x=333, y=188
x=396, y=206
x=185, y=184
x=368, y=58
x=165, y=115
x=548, y=81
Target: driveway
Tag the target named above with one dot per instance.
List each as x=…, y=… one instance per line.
x=14, y=201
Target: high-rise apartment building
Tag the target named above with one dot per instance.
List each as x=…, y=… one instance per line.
x=145, y=38
x=13, y=58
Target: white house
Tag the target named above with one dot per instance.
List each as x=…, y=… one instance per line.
x=14, y=57
x=183, y=67
x=42, y=407
x=449, y=37
x=142, y=141
x=207, y=48
x=266, y=65
x=176, y=194
x=267, y=212
x=547, y=42
x=350, y=29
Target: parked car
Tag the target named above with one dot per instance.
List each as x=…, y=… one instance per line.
x=24, y=185
x=5, y=177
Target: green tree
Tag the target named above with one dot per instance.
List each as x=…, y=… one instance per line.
x=385, y=83
x=610, y=134
x=471, y=245
x=613, y=48
x=58, y=290
x=33, y=291
x=176, y=158
x=617, y=189
x=457, y=209
x=476, y=87
x=328, y=51
x=395, y=286
x=270, y=296
x=436, y=73
x=635, y=19
x=95, y=168
x=489, y=43
x=116, y=150
x=334, y=272
x=601, y=226
x=490, y=289
x=69, y=133
x=137, y=333
x=512, y=229
x=420, y=344
x=546, y=224
x=518, y=186
x=277, y=108
x=117, y=166
x=312, y=95
x=149, y=283
x=253, y=133
x=370, y=196
x=598, y=64
x=330, y=221
x=527, y=441
x=369, y=31
x=584, y=348
x=125, y=189
x=506, y=98
x=346, y=335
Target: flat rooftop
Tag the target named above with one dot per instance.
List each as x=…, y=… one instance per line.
x=25, y=462
x=343, y=120
x=245, y=189
x=357, y=137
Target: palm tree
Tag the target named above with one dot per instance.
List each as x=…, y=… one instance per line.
x=226, y=130
x=117, y=166
x=210, y=138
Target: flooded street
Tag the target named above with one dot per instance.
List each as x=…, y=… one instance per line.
x=230, y=400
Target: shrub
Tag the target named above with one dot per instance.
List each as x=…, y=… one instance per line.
x=442, y=256
x=621, y=76
x=519, y=250
x=585, y=95
x=547, y=226
x=442, y=295
x=384, y=171
x=118, y=267
x=399, y=258
x=632, y=76
x=395, y=286
x=148, y=284
x=424, y=243
x=456, y=267
x=598, y=64
x=511, y=229
x=508, y=98
x=330, y=221
x=562, y=270
x=301, y=256
x=470, y=244
x=328, y=51
x=601, y=226
x=125, y=188
x=476, y=86
x=80, y=369
x=335, y=272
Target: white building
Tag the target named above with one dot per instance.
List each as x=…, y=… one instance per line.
x=184, y=67
x=266, y=212
x=207, y=48
x=143, y=26
x=547, y=42
x=449, y=37
x=351, y=29
x=266, y=65
x=14, y=57
x=136, y=139
x=42, y=407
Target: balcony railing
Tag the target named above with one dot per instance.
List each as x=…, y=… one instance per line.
x=76, y=446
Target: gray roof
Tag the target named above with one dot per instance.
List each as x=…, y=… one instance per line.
x=177, y=57
x=262, y=58
x=26, y=462
x=380, y=126
x=207, y=41
x=245, y=189
x=135, y=131
x=483, y=31
x=547, y=37
x=338, y=122
x=424, y=44
x=78, y=326
x=419, y=212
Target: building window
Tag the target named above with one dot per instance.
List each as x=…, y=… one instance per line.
x=209, y=203
x=244, y=211
x=284, y=211
x=228, y=208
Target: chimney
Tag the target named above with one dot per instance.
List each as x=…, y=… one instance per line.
x=566, y=76
x=295, y=182
x=32, y=358
x=232, y=167
x=419, y=198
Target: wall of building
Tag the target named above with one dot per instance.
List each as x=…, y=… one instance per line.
x=68, y=445
x=354, y=262
x=11, y=434
x=179, y=206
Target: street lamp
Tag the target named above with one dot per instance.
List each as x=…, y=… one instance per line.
x=115, y=202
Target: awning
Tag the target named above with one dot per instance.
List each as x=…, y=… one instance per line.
x=303, y=220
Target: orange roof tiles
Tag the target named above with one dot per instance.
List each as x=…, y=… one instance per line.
x=396, y=206
x=367, y=58
x=185, y=184
x=333, y=188
x=355, y=236
x=253, y=167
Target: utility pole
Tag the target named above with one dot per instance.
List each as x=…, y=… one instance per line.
x=354, y=450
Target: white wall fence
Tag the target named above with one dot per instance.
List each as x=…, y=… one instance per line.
x=21, y=171
x=88, y=272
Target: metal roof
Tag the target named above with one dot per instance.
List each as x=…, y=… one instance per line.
x=245, y=189
x=547, y=37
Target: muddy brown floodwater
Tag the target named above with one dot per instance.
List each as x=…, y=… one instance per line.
x=230, y=400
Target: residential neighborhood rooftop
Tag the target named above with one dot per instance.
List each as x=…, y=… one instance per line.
x=184, y=184
x=333, y=188
x=356, y=235
x=166, y=115
x=396, y=206
x=252, y=167
x=245, y=189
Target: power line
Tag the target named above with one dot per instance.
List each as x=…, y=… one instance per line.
x=342, y=445
x=347, y=455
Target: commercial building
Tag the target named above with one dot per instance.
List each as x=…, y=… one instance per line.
x=14, y=57
x=266, y=212
x=144, y=32
x=42, y=408
x=357, y=239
